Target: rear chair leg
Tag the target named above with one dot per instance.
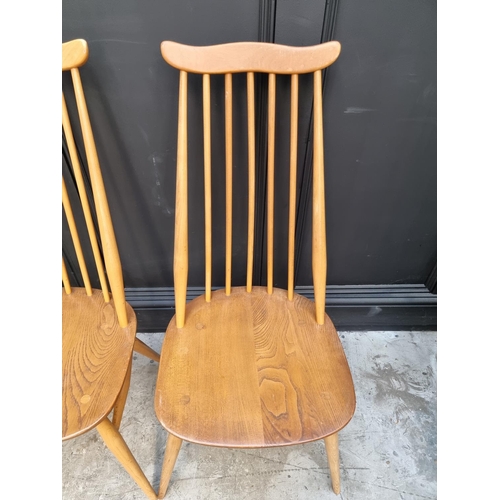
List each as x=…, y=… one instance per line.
x=332, y=452
x=171, y=452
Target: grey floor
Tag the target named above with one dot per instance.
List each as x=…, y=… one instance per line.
x=387, y=451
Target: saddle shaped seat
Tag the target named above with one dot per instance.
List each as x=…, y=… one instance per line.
x=95, y=358
x=253, y=370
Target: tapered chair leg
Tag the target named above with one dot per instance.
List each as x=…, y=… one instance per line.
x=332, y=452
x=173, y=446
x=145, y=350
x=122, y=398
x=120, y=450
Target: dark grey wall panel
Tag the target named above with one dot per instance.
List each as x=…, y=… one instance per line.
x=380, y=146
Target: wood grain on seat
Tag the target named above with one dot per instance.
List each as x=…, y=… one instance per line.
x=253, y=370
x=95, y=357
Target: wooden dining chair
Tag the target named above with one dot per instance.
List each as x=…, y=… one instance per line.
x=252, y=366
x=98, y=325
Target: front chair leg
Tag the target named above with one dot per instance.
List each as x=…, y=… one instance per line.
x=145, y=350
x=172, y=450
x=121, y=451
x=332, y=452
x=122, y=398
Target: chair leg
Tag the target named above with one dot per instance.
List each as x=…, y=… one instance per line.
x=332, y=452
x=173, y=446
x=120, y=450
x=145, y=350
x=122, y=398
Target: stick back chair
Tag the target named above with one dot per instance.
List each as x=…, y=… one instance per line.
x=98, y=325
x=252, y=366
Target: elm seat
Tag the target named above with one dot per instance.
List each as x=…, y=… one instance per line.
x=95, y=358
x=272, y=375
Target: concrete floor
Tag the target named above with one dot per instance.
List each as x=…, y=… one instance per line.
x=387, y=451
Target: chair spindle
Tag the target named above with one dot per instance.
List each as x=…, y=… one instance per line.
x=270, y=179
x=229, y=176
x=65, y=278
x=208, y=186
x=294, y=113
x=76, y=239
x=251, y=176
x=318, y=210
x=181, y=209
x=109, y=246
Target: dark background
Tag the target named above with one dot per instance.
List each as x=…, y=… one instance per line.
x=380, y=149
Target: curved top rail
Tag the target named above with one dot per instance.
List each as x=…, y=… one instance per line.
x=74, y=54
x=241, y=57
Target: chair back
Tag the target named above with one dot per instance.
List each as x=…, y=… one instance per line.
x=250, y=58
x=104, y=248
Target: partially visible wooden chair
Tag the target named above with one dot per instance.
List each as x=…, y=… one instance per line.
x=98, y=326
x=251, y=367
